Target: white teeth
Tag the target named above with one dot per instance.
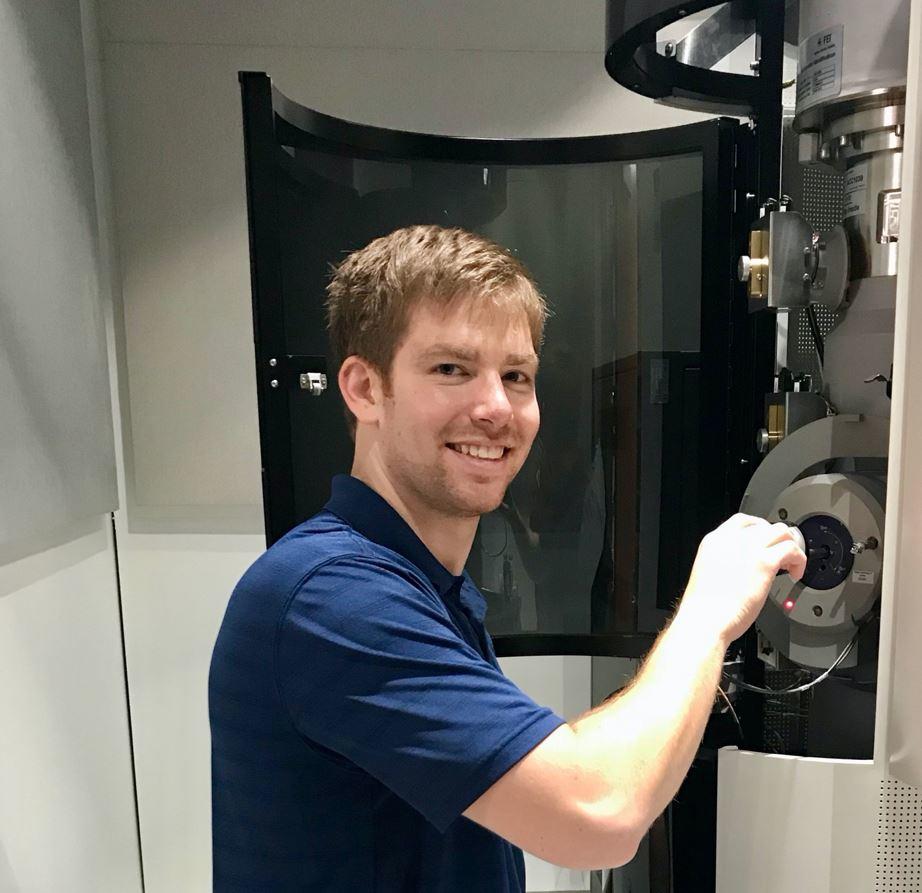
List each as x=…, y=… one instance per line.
x=479, y=452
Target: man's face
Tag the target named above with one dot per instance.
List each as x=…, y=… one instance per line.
x=461, y=412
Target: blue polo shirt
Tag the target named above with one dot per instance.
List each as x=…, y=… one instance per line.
x=357, y=709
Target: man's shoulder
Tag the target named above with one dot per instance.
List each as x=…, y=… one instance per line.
x=327, y=546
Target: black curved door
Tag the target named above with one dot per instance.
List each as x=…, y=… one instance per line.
x=631, y=238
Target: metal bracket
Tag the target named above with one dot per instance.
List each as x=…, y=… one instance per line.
x=681, y=74
x=790, y=265
x=712, y=40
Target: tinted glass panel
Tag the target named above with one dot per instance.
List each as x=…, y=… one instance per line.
x=598, y=530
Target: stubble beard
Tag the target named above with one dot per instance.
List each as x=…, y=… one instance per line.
x=431, y=486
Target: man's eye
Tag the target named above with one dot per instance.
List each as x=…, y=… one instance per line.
x=447, y=369
x=516, y=376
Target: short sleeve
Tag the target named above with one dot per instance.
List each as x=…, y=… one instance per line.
x=371, y=666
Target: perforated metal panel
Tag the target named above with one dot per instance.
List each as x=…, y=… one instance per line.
x=820, y=201
x=899, y=839
x=823, y=193
x=784, y=717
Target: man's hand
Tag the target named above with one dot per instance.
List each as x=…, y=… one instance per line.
x=733, y=571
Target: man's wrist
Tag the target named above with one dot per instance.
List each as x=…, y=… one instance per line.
x=692, y=622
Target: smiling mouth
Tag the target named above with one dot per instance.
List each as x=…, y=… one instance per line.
x=480, y=451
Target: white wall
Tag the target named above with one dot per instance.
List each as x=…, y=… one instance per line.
x=67, y=814
x=185, y=353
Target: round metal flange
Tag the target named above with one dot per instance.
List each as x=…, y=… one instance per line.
x=835, y=133
x=780, y=490
x=833, y=511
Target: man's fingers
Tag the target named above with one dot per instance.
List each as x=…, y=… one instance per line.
x=787, y=556
x=740, y=520
x=780, y=532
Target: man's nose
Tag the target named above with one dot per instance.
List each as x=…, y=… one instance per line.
x=492, y=402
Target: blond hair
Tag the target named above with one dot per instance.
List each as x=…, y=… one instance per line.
x=372, y=293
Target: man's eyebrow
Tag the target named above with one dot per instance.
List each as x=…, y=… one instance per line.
x=449, y=350
x=522, y=359
x=470, y=356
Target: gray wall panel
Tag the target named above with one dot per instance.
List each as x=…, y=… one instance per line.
x=57, y=461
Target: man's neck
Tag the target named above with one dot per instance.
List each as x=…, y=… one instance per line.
x=448, y=538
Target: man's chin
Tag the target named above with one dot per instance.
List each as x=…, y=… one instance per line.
x=473, y=506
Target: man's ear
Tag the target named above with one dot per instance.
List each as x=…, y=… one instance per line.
x=362, y=389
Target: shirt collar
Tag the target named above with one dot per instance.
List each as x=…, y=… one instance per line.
x=377, y=520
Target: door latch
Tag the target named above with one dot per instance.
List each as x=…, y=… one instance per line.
x=315, y=383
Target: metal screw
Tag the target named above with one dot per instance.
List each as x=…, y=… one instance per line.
x=669, y=49
x=783, y=514
x=860, y=546
x=806, y=277
x=274, y=383
x=817, y=610
x=273, y=362
x=754, y=66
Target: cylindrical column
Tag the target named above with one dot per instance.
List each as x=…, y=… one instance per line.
x=851, y=89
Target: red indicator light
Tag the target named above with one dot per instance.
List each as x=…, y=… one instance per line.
x=788, y=604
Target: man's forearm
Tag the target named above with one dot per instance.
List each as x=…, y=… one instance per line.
x=641, y=743
x=585, y=796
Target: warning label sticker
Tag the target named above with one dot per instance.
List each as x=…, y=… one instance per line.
x=856, y=190
x=819, y=68
x=862, y=576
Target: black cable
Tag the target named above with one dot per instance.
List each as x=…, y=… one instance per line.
x=733, y=713
x=796, y=689
x=815, y=332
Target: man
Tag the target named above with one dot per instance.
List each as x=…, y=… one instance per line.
x=363, y=735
